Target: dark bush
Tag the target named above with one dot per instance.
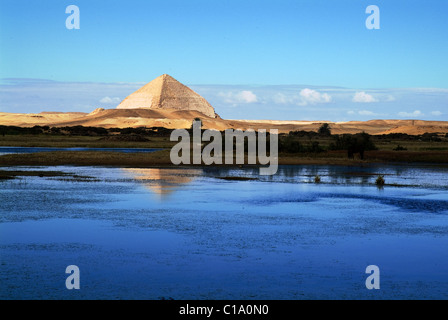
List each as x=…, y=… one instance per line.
x=400, y=148
x=324, y=130
x=353, y=143
x=314, y=147
x=289, y=144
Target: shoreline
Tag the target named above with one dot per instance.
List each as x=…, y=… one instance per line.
x=161, y=159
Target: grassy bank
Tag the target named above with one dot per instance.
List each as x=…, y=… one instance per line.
x=61, y=141
x=340, y=158
x=162, y=158
x=12, y=174
x=88, y=158
x=415, y=151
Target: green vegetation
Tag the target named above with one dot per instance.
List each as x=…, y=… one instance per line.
x=296, y=147
x=400, y=148
x=88, y=158
x=352, y=143
x=82, y=131
x=356, y=143
x=71, y=141
x=317, y=179
x=324, y=130
x=4, y=174
x=236, y=178
x=380, y=181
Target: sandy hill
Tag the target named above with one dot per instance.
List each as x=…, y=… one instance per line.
x=172, y=119
x=165, y=102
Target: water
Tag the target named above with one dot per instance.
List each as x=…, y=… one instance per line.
x=15, y=150
x=187, y=234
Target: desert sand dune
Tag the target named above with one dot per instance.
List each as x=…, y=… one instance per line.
x=165, y=102
x=174, y=119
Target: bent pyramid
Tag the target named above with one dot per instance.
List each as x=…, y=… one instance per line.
x=165, y=92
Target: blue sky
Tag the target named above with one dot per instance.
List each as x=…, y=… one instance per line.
x=250, y=59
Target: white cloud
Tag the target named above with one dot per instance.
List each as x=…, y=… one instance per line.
x=310, y=96
x=363, y=97
x=287, y=98
x=390, y=98
x=416, y=113
x=280, y=98
x=244, y=96
x=110, y=100
x=366, y=113
x=276, y=102
x=247, y=96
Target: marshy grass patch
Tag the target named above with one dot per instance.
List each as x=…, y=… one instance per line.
x=64, y=176
x=229, y=178
x=380, y=181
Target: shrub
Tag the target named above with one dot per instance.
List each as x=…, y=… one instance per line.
x=380, y=181
x=315, y=147
x=289, y=145
x=400, y=148
x=353, y=143
x=324, y=130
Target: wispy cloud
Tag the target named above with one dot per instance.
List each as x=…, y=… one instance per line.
x=416, y=113
x=390, y=98
x=310, y=96
x=109, y=100
x=303, y=97
x=247, y=96
x=366, y=113
x=362, y=97
x=236, y=98
x=279, y=102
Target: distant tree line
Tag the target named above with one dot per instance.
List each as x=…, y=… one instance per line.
x=83, y=131
x=288, y=143
x=352, y=143
x=435, y=137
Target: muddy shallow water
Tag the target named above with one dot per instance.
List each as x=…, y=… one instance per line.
x=185, y=234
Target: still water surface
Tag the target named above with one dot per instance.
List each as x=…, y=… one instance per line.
x=188, y=234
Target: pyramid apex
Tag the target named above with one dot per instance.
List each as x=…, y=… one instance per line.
x=166, y=76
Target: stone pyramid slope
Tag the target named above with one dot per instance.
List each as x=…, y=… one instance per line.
x=165, y=92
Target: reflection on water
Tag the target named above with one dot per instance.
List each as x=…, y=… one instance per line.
x=274, y=237
x=423, y=176
x=163, y=181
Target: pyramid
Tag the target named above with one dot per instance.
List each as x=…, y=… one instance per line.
x=165, y=92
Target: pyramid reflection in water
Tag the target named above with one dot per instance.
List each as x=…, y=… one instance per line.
x=163, y=182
